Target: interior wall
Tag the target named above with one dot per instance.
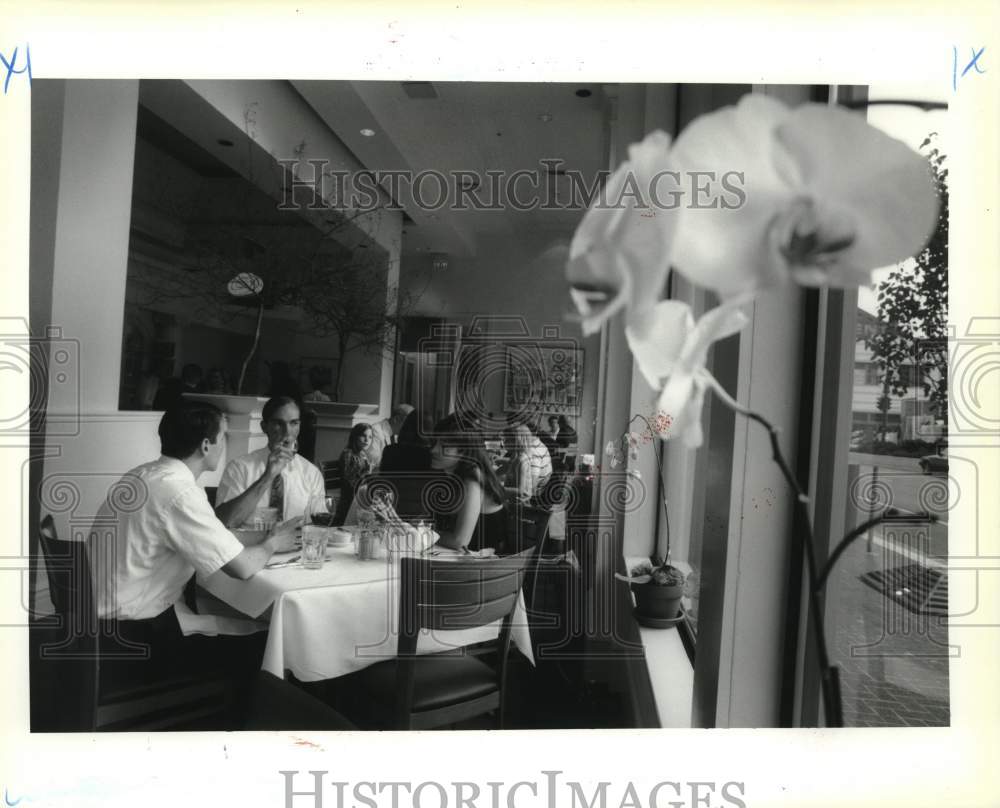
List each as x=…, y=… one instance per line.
x=79, y=246
x=520, y=276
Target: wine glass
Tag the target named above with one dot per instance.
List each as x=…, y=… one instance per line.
x=320, y=511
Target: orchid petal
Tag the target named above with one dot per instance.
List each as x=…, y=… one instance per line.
x=881, y=183
x=597, y=300
x=722, y=248
x=681, y=399
x=620, y=252
x=657, y=344
x=718, y=323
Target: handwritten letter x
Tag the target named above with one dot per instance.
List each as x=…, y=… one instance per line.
x=955, y=76
x=11, y=65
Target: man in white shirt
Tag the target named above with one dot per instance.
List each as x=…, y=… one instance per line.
x=157, y=529
x=275, y=476
x=384, y=432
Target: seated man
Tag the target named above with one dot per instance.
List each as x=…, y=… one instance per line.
x=164, y=531
x=275, y=476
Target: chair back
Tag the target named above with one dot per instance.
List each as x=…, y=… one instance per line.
x=408, y=491
x=447, y=595
x=74, y=646
x=332, y=475
x=527, y=528
x=71, y=590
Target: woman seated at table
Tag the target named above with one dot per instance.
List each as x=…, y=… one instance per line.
x=355, y=465
x=523, y=479
x=477, y=519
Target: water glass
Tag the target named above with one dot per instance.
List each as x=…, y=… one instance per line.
x=314, y=538
x=264, y=519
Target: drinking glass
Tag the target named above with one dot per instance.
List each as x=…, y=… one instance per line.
x=314, y=538
x=320, y=511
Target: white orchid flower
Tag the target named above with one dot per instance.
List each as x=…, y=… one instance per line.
x=620, y=253
x=671, y=351
x=828, y=198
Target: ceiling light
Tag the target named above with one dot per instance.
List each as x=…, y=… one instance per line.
x=545, y=117
x=368, y=132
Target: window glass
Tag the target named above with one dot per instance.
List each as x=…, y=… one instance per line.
x=887, y=599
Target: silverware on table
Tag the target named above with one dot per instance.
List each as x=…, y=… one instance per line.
x=287, y=563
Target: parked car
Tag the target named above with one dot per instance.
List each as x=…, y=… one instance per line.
x=931, y=463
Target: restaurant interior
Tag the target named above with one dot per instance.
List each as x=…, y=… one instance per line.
x=361, y=245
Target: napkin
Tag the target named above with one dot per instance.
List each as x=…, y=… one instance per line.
x=214, y=618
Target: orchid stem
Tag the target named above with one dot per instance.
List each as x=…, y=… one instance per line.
x=659, y=481
x=829, y=675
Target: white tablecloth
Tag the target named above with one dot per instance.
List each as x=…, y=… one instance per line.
x=341, y=618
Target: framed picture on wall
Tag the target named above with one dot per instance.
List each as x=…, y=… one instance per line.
x=544, y=379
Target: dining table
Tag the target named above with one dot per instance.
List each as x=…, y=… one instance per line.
x=340, y=618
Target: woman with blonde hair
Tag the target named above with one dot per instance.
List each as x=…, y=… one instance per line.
x=520, y=476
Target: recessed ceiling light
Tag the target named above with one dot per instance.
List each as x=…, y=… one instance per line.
x=224, y=142
x=368, y=132
x=583, y=92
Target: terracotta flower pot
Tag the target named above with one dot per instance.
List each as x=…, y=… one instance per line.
x=657, y=602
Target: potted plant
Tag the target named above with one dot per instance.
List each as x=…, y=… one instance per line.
x=658, y=586
x=658, y=591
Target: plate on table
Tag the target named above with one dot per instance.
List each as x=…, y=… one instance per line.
x=336, y=537
x=339, y=538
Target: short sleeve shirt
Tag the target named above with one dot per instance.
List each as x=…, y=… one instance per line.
x=155, y=530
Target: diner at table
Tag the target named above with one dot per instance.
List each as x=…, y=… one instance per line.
x=142, y=566
x=275, y=476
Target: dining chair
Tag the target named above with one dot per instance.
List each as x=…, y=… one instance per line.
x=528, y=530
x=332, y=474
x=276, y=704
x=434, y=690
x=107, y=693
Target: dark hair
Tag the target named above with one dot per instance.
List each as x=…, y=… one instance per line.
x=552, y=418
x=356, y=432
x=275, y=404
x=192, y=373
x=410, y=432
x=317, y=376
x=184, y=426
x=475, y=463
